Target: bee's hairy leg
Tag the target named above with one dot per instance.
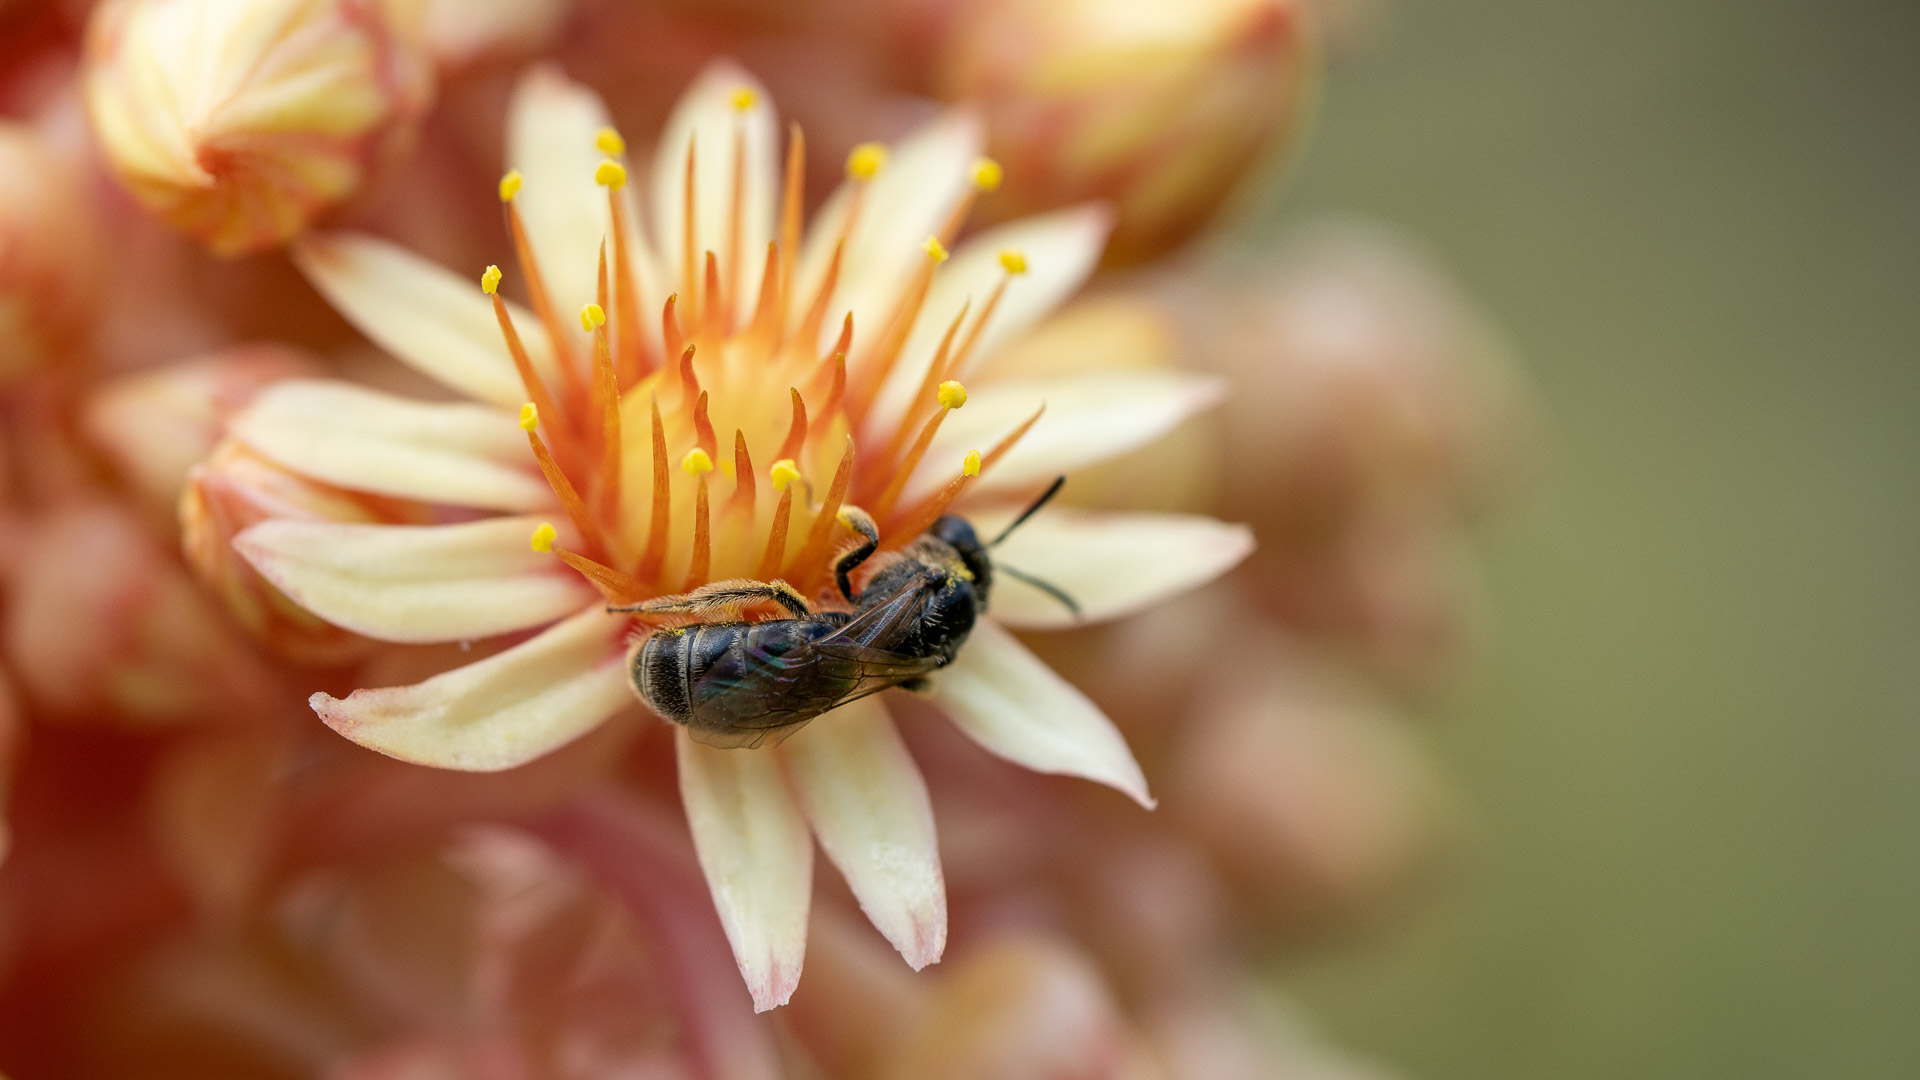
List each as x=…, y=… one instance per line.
x=722, y=596
x=861, y=522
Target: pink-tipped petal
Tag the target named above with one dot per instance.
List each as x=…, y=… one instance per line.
x=868, y=805
x=499, y=712
x=1111, y=564
x=1090, y=418
x=428, y=317
x=417, y=583
x=1010, y=702
x=365, y=440
x=754, y=848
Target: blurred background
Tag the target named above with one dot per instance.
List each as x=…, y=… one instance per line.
x=1690, y=746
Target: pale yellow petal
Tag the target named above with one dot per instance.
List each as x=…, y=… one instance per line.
x=417, y=583
x=1090, y=417
x=753, y=846
x=707, y=118
x=551, y=124
x=460, y=455
x=499, y=712
x=868, y=805
x=1009, y=701
x=1111, y=564
x=437, y=321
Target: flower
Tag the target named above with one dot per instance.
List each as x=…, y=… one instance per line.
x=239, y=121
x=592, y=467
x=48, y=269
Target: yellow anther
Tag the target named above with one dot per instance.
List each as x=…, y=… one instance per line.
x=610, y=143
x=543, y=538
x=1013, y=261
x=529, y=417
x=784, y=472
x=935, y=250
x=952, y=395
x=744, y=99
x=610, y=174
x=592, y=317
x=971, y=466
x=987, y=174
x=696, y=462
x=866, y=161
x=490, y=280
x=510, y=186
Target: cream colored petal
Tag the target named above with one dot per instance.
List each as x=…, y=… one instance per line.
x=425, y=315
x=551, y=126
x=924, y=177
x=417, y=583
x=1061, y=250
x=1009, y=701
x=869, y=807
x=707, y=119
x=753, y=846
x=1111, y=564
x=1090, y=417
x=499, y=712
x=460, y=455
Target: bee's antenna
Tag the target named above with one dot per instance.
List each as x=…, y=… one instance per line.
x=1032, y=509
x=1047, y=587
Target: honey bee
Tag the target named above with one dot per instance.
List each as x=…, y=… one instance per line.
x=735, y=683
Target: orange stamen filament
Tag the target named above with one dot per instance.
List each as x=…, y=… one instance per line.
x=626, y=312
x=530, y=379
x=796, y=429
x=617, y=587
x=777, y=537
x=702, y=538
x=811, y=561
x=703, y=427
x=655, y=552
x=891, y=493
x=537, y=294
x=570, y=501
x=790, y=210
x=743, y=492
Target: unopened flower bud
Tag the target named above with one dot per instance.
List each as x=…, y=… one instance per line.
x=1161, y=109
x=238, y=123
x=236, y=488
x=13, y=744
x=155, y=426
x=103, y=626
x=48, y=254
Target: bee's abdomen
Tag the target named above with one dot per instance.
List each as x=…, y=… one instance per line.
x=671, y=661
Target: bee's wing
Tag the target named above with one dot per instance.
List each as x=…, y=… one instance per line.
x=876, y=627
x=779, y=694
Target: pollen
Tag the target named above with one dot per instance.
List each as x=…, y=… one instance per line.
x=490, y=280
x=610, y=174
x=784, y=472
x=866, y=161
x=971, y=466
x=510, y=186
x=592, y=317
x=952, y=395
x=987, y=174
x=935, y=250
x=529, y=417
x=744, y=99
x=543, y=538
x=609, y=142
x=696, y=462
x=1013, y=261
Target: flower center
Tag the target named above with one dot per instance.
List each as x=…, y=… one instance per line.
x=734, y=447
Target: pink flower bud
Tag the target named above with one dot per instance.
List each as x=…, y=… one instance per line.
x=48, y=263
x=239, y=123
x=1162, y=109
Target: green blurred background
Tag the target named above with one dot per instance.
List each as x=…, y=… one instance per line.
x=1691, y=744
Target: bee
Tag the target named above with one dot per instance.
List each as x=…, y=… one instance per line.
x=735, y=683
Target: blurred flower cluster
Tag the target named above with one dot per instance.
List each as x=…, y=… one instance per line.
x=318, y=752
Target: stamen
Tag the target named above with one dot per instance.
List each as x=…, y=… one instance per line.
x=688, y=379
x=743, y=493
x=570, y=500
x=922, y=517
x=627, y=343
x=543, y=538
x=796, y=428
x=530, y=380
x=609, y=142
x=606, y=391
x=537, y=293
x=935, y=250
x=790, y=211
x=899, y=325
x=935, y=371
x=610, y=174
x=1000, y=448
x=971, y=465
x=510, y=186
x=777, y=537
x=592, y=317
x=617, y=587
x=738, y=194
x=656, y=549
x=784, y=473
x=1013, y=261
x=703, y=427
x=987, y=174
x=951, y=396
x=813, y=553
x=766, y=310
x=689, y=284
x=670, y=333
x=713, y=315
x=957, y=363
x=490, y=280
x=529, y=417
x=698, y=465
x=866, y=161
x=744, y=99
x=817, y=311
x=836, y=395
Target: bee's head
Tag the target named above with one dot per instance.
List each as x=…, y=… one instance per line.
x=957, y=534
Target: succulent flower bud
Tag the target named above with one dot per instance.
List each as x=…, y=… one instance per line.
x=13, y=743
x=48, y=261
x=239, y=122
x=1161, y=109
x=235, y=488
x=101, y=626
x=155, y=426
